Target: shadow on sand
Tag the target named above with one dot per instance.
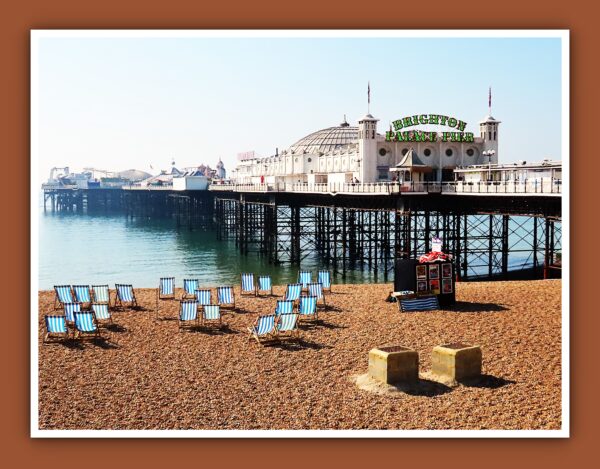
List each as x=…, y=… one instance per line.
x=486, y=381
x=474, y=307
x=298, y=344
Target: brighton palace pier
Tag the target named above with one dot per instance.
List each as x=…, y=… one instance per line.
x=345, y=153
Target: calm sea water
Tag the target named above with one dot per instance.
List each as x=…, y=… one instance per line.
x=91, y=248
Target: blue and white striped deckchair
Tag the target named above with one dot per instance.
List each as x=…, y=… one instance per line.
x=316, y=289
x=424, y=303
x=284, y=307
x=204, y=296
x=85, y=323
x=263, y=329
x=125, y=294
x=166, y=288
x=308, y=306
x=82, y=293
x=248, y=285
x=293, y=291
x=304, y=278
x=70, y=310
x=287, y=326
x=63, y=295
x=101, y=312
x=211, y=313
x=55, y=326
x=101, y=294
x=188, y=313
x=225, y=296
x=264, y=284
x=324, y=278
x=190, y=285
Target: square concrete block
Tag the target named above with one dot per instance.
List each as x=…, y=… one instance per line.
x=394, y=364
x=456, y=361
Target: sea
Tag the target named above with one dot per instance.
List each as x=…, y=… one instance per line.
x=86, y=248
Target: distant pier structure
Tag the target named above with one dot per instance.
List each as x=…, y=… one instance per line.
x=490, y=227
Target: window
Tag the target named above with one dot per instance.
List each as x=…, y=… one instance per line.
x=382, y=151
x=490, y=134
x=309, y=160
x=449, y=152
x=494, y=135
x=404, y=151
x=470, y=152
x=427, y=152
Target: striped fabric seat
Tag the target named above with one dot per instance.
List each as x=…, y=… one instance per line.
x=304, y=278
x=426, y=303
x=85, y=323
x=316, y=290
x=203, y=296
x=82, y=293
x=284, y=307
x=248, y=285
x=263, y=329
x=225, y=296
x=287, y=324
x=324, y=278
x=101, y=294
x=56, y=326
x=190, y=285
x=63, y=294
x=70, y=310
x=308, y=306
x=125, y=294
x=211, y=313
x=265, y=284
x=166, y=287
x=101, y=312
x=293, y=291
x=188, y=312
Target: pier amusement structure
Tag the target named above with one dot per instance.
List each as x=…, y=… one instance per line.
x=350, y=198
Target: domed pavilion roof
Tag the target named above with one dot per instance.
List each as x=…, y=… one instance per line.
x=326, y=140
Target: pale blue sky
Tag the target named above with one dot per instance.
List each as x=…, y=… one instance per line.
x=120, y=103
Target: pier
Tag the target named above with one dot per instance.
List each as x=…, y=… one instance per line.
x=361, y=226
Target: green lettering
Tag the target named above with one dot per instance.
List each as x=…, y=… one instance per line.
x=445, y=136
x=420, y=136
x=434, y=119
x=432, y=136
x=423, y=119
x=407, y=122
x=397, y=124
x=468, y=137
x=402, y=136
x=461, y=125
x=452, y=122
x=456, y=137
x=389, y=135
x=443, y=120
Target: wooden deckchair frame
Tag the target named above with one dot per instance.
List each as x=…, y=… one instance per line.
x=64, y=335
x=120, y=303
x=262, y=339
x=290, y=334
x=94, y=299
x=227, y=305
x=159, y=297
x=255, y=285
x=182, y=322
x=77, y=334
x=60, y=303
x=258, y=290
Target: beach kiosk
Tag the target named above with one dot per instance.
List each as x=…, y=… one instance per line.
x=432, y=273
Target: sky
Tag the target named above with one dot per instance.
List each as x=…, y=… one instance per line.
x=122, y=103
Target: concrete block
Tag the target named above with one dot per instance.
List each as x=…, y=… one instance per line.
x=393, y=364
x=456, y=361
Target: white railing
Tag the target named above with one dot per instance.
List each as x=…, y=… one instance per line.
x=165, y=187
x=543, y=187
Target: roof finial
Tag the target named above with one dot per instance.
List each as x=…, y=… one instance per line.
x=369, y=97
x=490, y=101
x=344, y=122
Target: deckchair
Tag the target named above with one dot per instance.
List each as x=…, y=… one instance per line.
x=188, y=313
x=101, y=294
x=248, y=285
x=125, y=294
x=225, y=296
x=56, y=326
x=264, y=284
x=82, y=294
x=264, y=329
x=101, y=312
x=287, y=326
x=85, y=324
x=324, y=278
x=166, y=288
x=62, y=295
x=211, y=313
x=308, y=306
x=293, y=291
x=70, y=310
x=316, y=289
x=424, y=303
x=190, y=285
x=203, y=296
x=304, y=278
x=284, y=307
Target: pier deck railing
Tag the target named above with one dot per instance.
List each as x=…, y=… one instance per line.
x=540, y=187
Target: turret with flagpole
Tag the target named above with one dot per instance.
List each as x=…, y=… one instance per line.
x=488, y=129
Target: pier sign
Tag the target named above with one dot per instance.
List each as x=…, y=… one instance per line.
x=400, y=134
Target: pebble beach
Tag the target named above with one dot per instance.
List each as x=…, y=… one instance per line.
x=148, y=375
